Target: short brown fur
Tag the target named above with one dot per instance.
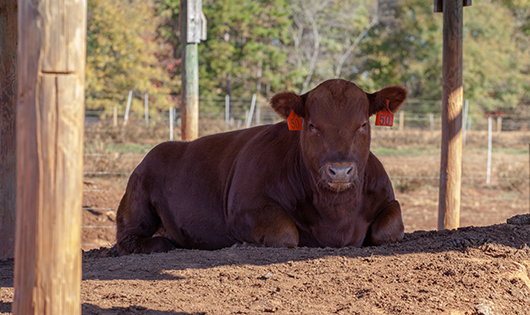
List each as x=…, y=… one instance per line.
x=268, y=186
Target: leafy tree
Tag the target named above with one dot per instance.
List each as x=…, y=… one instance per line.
x=245, y=45
x=406, y=48
x=122, y=56
x=495, y=64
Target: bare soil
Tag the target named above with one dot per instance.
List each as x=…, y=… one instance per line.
x=481, y=268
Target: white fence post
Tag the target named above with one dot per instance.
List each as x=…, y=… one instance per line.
x=227, y=110
x=127, y=109
x=171, y=119
x=251, y=113
x=146, y=107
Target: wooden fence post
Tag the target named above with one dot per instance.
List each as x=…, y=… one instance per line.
x=401, y=121
x=452, y=99
x=8, y=102
x=190, y=14
x=50, y=119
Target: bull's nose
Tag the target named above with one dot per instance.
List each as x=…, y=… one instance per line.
x=340, y=172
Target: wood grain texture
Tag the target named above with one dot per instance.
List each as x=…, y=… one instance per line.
x=50, y=119
x=452, y=99
x=8, y=102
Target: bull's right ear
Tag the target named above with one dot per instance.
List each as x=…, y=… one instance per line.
x=283, y=102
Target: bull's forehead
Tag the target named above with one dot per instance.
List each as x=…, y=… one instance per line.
x=337, y=103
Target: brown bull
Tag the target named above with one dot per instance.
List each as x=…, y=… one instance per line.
x=269, y=186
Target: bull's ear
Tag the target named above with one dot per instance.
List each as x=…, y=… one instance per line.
x=394, y=96
x=283, y=102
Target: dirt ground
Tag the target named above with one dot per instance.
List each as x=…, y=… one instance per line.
x=481, y=268
x=473, y=270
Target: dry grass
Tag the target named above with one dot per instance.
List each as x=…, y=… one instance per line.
x=512, y=177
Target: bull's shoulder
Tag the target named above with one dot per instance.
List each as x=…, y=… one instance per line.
x=376, y=177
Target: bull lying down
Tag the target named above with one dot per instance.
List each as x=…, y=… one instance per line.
x=268, y=185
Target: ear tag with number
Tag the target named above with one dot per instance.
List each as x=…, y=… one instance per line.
x=385, y=117
x=294, y=121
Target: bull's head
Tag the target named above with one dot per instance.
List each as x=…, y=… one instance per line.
x=335, y=135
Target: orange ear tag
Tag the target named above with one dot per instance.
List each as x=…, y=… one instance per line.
x=294, y=122
x=385, y=117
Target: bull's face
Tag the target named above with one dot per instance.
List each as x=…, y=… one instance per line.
x=335, y=137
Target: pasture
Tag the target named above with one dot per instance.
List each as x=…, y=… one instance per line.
x=482, y=268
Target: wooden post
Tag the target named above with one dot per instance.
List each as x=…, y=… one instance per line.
x=464, y=121
x=488, y=162
x=115, y=116
x=499, y=123
x=50, y=119
x=8, y=102
x=190, y=14
x=401, y=121
x=452, y=98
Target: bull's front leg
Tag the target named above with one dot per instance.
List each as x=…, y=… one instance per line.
x=267, y=225
x=388, y=226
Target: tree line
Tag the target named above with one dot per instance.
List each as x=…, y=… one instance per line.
x=268, y=46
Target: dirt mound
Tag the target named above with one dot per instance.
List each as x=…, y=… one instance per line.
x=473, y=270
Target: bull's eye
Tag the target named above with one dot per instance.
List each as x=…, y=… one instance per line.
x=311, y=127
x=364, y=125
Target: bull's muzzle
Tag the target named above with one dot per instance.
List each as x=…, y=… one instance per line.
x=340, y=176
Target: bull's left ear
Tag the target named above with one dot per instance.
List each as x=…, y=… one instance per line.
x=284, y=102
x=394, y=96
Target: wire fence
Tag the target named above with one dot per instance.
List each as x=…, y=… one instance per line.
x=421, y=116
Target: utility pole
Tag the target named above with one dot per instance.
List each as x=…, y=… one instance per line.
x=193, y=29
x=452, y=99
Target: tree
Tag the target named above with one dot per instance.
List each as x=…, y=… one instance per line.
x=123, y=56
x=325, y=36
x=244, y=46
x=406, y=48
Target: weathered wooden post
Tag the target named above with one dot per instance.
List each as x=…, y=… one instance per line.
x=192, y=31
x=8, y=101
x=452, y=98
x=50, y=119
